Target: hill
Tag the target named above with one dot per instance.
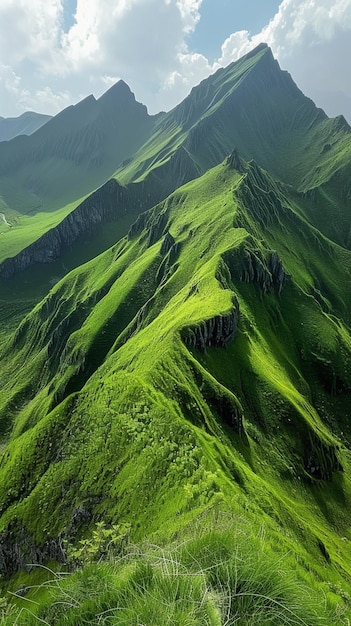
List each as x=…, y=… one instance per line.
x=193, y=378
x=44, y=176
x=202, y=361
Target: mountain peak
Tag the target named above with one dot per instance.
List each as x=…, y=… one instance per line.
x=118, y=90
x=261, y=46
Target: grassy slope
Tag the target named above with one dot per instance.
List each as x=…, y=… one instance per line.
x=254, y=106
x=45, y=176
x=107, y=410
x=251, y=104
x=220, y=574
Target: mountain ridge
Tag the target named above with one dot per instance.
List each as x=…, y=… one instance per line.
x=25, y=124
x=199, y=366
x=227, y=117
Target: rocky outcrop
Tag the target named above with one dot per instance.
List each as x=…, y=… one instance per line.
x=277, y=271
x=235, y=162
x=216, y=331
x=321, y=459
x=138, y=226
x=156, y=228
x=111, y=201
x=18, y=551
x=167, y=243
x=260, y=196
x=170, y=251
x=226, y=408
x=252, y=265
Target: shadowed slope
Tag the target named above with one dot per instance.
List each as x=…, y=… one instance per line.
x=44, y=176
x=25, y=124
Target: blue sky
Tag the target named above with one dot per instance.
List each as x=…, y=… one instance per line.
x=55, y=52
x=220, y=18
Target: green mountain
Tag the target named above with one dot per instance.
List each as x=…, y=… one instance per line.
x=44, y=176
x=25, y=124
x=190, y=386
x=251, y=104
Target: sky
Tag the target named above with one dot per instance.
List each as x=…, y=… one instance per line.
x=53, y=53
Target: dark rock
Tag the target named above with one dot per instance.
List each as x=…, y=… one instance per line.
x=138, y=226
x=260, y=195
x=156, y=228
x=227, y=410
x=252, y=265
x=235, y=162
x=109, y=202
x=217, y=331
x=18, y=550
x=22, y=591
x=321, y=459
x=167, y=243
x=277, y=271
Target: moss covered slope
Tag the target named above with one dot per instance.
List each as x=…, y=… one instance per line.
x=203, y=361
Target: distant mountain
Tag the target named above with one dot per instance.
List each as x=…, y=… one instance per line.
x=43, y=176
x=25, y=124
x=252, y=104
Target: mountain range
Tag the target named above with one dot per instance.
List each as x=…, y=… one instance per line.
x=25, y=124
x=175, y=323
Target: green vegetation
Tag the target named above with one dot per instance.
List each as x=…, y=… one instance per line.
x=189, y=388
x=43, y=178
x=223, y=576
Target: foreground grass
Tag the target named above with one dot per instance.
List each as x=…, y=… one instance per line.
x=220, y=578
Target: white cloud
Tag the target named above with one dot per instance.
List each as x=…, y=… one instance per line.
x=8, y=80
x=236, y=45
x=312, y=40
x=191, y=69
x=29, y=29
x=44, y=100
x=190, y=13
x=138, y=40
x=109, y=80
x=146, y=42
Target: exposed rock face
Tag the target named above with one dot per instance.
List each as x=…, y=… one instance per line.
x=251, y=265
x=138, y=226
x=170, y=251
x=167, y=243
x=260, y=196
x=156, y=228
x=227, y=410
x=110, y=201
x=321, y=459
x=236, y=162
x=277, y=271
x=18, y=551
x=217, y=331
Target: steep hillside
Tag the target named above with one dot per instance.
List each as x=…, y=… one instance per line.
x=44, y=176
x=203, y=361
x=25, y=124
x=251, y=105
x=256, y=107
